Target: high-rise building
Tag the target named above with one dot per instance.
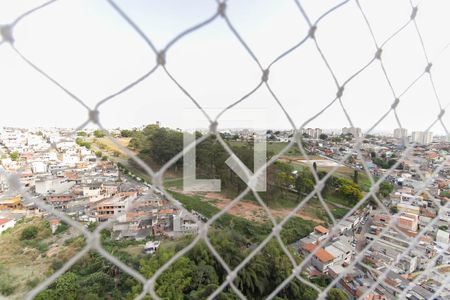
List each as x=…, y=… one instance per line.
x=313, y=132
x=422, y=137
x=355, y=131
x=400, y=133
x=317, y=133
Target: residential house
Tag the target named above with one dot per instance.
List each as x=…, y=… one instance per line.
x=5, y=224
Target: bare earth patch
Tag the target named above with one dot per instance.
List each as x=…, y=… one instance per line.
x=253, y=211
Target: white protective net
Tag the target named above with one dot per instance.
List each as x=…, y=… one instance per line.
x=311, y=37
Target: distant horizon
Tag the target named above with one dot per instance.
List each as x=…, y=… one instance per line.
x=325, y=130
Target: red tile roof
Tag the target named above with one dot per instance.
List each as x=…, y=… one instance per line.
x=321, y=229
x=4, y=221
x=324, y=256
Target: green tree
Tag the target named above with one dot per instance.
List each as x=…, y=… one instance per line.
x=126, y=133
x=176, y=280
x=304, y=183
x=351, y=192
x=385, y=188
x=81, y=133
x=66, y=286
x=99, y=133
x=393, y=209
x=14, y=155
x=323, y=136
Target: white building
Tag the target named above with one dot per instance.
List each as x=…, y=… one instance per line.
x=400, y=133
x=183, y=222
x=5, y=224
x=422, y=137
x=64, y=146
x=342, y=252
x=70, y=159
x=444, y=214
x=53, y=186
x=355, y=131
x=38, y=167
x=443, y=238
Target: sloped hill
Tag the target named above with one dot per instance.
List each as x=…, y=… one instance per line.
x=30, y=252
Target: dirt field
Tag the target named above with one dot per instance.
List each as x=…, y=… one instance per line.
x=253, y=211
x=111, y=147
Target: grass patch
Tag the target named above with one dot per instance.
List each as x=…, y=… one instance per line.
x=105, y=144
x=339, y=212
x=173, y=183
x=334, y=199
x=7, y=282
x=23, y=262
x=271, y=147
x=293, y=230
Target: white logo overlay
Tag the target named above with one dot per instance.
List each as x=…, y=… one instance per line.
x=255, y=179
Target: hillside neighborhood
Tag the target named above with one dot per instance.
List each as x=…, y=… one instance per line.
x=67, y=171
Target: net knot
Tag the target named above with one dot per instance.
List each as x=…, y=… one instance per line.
x=222, y=8
x=395, y=104
x=213, y=127
x=374, y=189
x=161, y=58
x=312, y=32
x=296, y=271
x=6, y=31
x=414, y=13
x=428, y=67
x=231, y=276
x=277, y=229
x=265, y=75
x=94, y=116
x=441, y=113
x=378, y=53
x=340, y=92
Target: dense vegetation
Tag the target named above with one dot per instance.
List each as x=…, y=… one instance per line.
x=193, y=276
x=157, y=146
x=29, y=254
x=81, y=142
x=383, y=161
x=197, y=274
x=293, y=230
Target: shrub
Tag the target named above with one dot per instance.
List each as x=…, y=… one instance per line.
x=31, y=283
x=57, y=264
x=42, y=247
x=61, y=228
x=29, y=233
x=6, y=288
x=99, y=133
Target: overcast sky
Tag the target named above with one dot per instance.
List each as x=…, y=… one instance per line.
x=93, y=52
